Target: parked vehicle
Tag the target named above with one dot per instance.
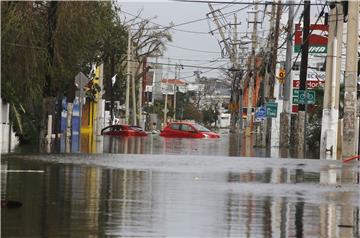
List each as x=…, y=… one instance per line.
x=187, y=130
x=123, y=130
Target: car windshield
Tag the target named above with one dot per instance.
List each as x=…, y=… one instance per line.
x=200, y=128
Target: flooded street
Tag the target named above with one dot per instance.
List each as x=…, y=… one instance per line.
x=156, y=187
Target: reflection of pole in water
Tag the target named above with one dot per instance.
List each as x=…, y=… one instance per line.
x=248, y=145
x=151, y=143
x=99, y=144
x=284, y=220
x=328, y=220
x=299, y=215
x=138, y=141
x=132, y=146
x=347, y=210
x=125, y=145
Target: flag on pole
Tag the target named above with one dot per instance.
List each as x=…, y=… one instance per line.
x=113, y=79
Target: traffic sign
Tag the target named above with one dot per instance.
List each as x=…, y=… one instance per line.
x=299, y=96
x=282, y=73
x=260, y=114
x=271, y=109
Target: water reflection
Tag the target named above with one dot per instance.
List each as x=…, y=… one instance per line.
x=229, y=145
x=87, y=201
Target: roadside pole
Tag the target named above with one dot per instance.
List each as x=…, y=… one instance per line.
x=330, y=115
x=252, y=79
x=285, y=115
x=128, y=76
x=265, y=92
x=133, y=92
x=303, y=79
x=233, y=59
x=350, y=101
x=175, y=89
x=100, y=102
x=272, y=79
x=166, y=94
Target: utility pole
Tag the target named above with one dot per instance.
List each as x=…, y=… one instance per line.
x=128, y=77
x=266, y=85
x=349, y=147
x=133, y=92
x=177, y=76
x=141, y=93
x=330, y=115
x=303, y=79
x=112, y=73
x=232, y=54
x=285, y=115
x=236, y=89
x=253, y=73
x=272, y=78
x=166, y=94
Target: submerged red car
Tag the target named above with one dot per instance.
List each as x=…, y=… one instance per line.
x=187, y=130
x=123, y=130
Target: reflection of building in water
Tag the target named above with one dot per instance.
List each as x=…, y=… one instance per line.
x=125, y=145
x=71, y=201
x=254, y=214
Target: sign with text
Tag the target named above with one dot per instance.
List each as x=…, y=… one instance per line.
x=309, y=83
x=299, y=96
x=271, y=109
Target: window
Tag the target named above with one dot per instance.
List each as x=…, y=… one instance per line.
x=188, y=128
x=175, y=126
x=200, y=128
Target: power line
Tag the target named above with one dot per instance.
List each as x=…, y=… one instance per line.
x=186, y=65
x=199, y=60
x=202, y=73
x=244, y=3
x=186, y=23
x=183, y=48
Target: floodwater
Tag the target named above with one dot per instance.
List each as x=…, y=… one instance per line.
x=157, y=187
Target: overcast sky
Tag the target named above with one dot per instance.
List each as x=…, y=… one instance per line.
x=206, y=46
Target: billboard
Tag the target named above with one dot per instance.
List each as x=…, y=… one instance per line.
x=317, y=39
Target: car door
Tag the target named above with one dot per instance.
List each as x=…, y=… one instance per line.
x=188, y=131
x=174, y=130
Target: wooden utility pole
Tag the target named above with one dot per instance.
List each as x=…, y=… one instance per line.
x=133, y=92
x=112, y=73
x=330, y=115
x=166, y=94
x=303, y=79
x=273, y=70
x=177, y=77
x=285, y=115
x=128, y=78
x=234, y=60
x=266, y=85
x=349, y=147
x=140, y=99
x=252, y=79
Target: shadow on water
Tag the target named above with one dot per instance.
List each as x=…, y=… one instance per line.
x=68, y=200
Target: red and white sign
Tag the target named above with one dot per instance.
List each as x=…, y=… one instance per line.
x=310, y=83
